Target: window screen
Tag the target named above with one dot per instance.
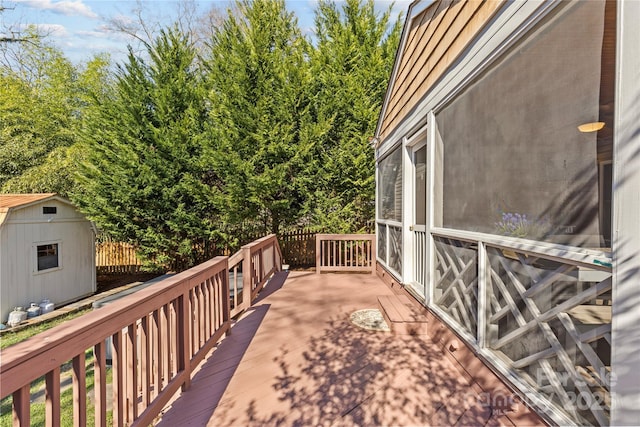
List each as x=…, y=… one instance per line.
x=390, y=186
x=514, y=160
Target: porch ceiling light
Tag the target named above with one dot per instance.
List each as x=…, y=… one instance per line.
x=591, y=127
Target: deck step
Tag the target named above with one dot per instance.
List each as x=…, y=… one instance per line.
x=403, y=318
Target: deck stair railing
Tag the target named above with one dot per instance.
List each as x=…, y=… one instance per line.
x=158, y=336
x=345, y=253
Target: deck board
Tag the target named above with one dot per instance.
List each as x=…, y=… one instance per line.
x=294, y=358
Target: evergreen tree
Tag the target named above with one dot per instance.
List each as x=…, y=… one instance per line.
x=264, y=135
x=351, y=66
x=145, y=179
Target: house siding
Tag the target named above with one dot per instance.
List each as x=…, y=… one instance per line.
x=437, y=37
x=452, y=50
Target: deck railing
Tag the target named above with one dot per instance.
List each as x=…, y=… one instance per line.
x=158, y=335
x=346, y=253
x=250, y=268
x=539, y=315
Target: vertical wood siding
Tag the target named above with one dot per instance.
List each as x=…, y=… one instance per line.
x=25, y=229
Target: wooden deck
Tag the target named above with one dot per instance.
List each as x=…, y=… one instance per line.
x=294, y=358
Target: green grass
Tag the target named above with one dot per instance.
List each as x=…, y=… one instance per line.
x=10, y=338
x=66, y=399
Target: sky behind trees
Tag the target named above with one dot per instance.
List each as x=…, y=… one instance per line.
x=207, y=130
x=83, y=28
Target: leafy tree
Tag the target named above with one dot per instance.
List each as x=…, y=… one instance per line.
x=38, y=109
x=351, y=65
x=264, y=133
x=39, y=132
x=144, y=179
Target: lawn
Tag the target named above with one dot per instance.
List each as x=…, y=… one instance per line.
x=66, y=398
x=10, y=338
x=37, y=387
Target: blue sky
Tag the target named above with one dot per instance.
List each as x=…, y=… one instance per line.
x=81, y=27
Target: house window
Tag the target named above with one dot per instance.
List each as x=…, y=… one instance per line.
x=48, y=256
x=49, y=210
x=515, y=162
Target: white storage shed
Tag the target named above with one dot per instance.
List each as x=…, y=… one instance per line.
x=47, y=250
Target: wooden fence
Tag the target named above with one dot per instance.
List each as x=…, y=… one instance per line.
x=116, y=257
x=298, y=248
x=113, y=257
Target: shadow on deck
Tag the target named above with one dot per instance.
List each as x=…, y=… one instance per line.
x=294, y=358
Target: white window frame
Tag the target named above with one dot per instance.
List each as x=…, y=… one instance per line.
x=387, y=222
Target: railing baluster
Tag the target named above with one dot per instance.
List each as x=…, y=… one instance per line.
x=157, y=352
x=21, y=412
x=118, y=377
x=165, y=345
x=193, y=313
x=132, y=372
x=175, y=350
x=99, y=384
x=209, y=306
x=202, y=323
x=182, y=338
x=52, y=391
x=215, y=315
x=79, y=390
x=145, y=361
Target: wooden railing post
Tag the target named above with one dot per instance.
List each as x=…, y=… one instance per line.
x=226, y=307
x=318, y=257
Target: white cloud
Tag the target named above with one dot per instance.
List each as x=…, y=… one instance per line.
x=55, y=30
x=64, y=7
